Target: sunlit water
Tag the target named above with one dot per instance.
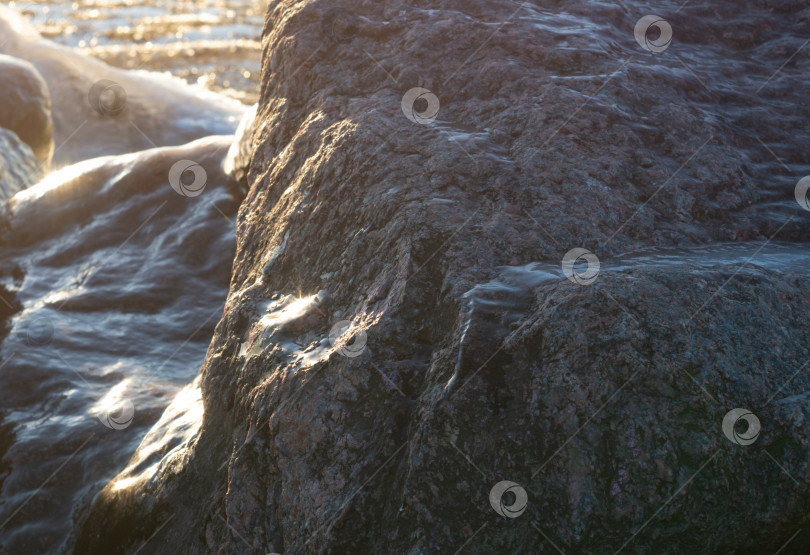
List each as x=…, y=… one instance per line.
x=116, y=281
x=215, y=43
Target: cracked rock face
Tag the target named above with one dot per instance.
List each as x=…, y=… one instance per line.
x=400, y=336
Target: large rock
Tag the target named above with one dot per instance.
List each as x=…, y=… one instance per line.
x=26, y=106
x=442, y=240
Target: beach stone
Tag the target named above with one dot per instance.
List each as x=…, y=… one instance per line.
x=26, y=106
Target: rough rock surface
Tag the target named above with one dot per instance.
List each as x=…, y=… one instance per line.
x=443, y=243
x=26, y=106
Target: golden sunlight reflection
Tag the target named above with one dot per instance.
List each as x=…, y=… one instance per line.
x=59, y=178
x=113, y=399
x=289, y=311
x=168, y=438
